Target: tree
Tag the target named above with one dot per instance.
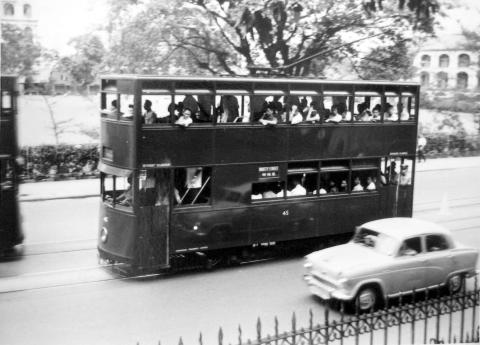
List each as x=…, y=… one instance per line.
x=84, y=64
x=19, y=51
x=234, y=36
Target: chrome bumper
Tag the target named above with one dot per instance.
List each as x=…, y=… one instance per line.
x=325, y=291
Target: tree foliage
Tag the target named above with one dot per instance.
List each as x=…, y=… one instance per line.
x=85, y=63
x=19, y=51
x=236, y=36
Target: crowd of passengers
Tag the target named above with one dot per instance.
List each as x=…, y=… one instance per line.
x=297, y=186
x=293, y=111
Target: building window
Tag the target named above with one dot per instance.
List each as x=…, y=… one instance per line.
x=442, y=80
x=462, y=80
x=8, y=9
x=444, y=60
x=27, y=10
x=463, y=60
x=425, y=61
x=425, y=79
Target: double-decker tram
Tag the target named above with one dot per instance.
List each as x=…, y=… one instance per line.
x=10, y=230
x=215, y=166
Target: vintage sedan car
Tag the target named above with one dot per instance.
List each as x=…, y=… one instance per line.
x=387, y=257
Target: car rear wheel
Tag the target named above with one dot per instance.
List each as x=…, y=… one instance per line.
x=367, y=299
x=455, y=283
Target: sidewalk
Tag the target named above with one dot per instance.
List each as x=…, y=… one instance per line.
x=37, y=191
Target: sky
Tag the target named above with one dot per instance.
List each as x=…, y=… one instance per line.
x=61, y=20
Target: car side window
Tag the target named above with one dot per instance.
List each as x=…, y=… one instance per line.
x=436, y=242
x=412, y=246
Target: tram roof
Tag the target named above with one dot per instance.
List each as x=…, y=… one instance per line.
x=244, y=79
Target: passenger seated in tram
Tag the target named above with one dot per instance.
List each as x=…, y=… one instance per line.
x=371, y=183
x=334, y=117
x=332, y=188
x=186, y=119
x=149, y=116
x=365, y=116
x=321, y=191
x=297, y=189
x=404, y=115
x=405, y=178
x=129, y=114
x=125, y=198
x=295, y=115
x=312, y=114
x=357, y=187
x=376, y=113
x=389, y=114
x=113, y=110
x=268, y=117
x=228, y=109
x=343, y=186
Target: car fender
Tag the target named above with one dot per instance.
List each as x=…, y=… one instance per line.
x=372, y=281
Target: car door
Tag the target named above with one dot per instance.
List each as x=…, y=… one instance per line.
x=439, y=259
x=408, y=267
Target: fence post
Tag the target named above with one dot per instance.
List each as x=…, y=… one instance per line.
x=294, y=328
x=342, y=320
x=438, y=311
x=386, y=315
x=259, y=330
x=357, y=323
x=474, y=304
x=276, y=331
x=412, y=309
x=400, y=309
x=462, y=297
x=200, y=339
x=450, y=315
x=220, y=336
x=426, y=317
x=239, y=335
x=326, y=325
x=310, y=324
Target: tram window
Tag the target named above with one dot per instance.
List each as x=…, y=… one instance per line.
x=391, y=108
x=405, y=177
x=334, y=177
x=6, y=100
x=367, y=109
x=154, y=187
x=268, y=190
x=110, y=108
x=6, y=174
x=302, y=178
x=407, y=108
x=364, y=180
x=117, y=190
x=192, y=186
x=200, y=105
x=272, y=109
x=232, y=109
x=337, y=109
x=126, y=107
x=155, y=109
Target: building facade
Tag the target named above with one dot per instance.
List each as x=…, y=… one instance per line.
x=446, y=66
x=19, y=13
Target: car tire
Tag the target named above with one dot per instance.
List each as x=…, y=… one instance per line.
x=455, y=284
x=367, y=299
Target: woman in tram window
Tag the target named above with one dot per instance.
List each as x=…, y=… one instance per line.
x=334, y=117
x=295, y=115
x=357, y=185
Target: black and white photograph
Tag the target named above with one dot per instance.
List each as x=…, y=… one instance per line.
x=239, y=172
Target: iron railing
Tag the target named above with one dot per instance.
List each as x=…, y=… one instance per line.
x=433, y=316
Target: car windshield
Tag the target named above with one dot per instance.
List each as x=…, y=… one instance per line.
x=376, y=240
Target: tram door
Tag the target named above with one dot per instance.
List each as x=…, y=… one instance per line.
x=154, y=217
x=398, y=189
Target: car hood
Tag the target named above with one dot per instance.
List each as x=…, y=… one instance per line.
x=346, y=258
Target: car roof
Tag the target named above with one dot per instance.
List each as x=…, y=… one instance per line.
x=402, y=228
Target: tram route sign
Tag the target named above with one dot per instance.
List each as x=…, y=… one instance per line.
x=268, y=172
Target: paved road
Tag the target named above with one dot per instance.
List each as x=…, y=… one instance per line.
x=126, y=311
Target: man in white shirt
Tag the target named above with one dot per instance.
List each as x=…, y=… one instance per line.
x=358, y=186
x=297, y=190
x=186, y=119
x=370, y=184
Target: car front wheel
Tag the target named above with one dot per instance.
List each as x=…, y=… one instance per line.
x=366, y=299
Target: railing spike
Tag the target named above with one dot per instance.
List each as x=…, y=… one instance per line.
x=239, y=335
x=259, y=329
x=294, y=322
x=220, y=336
x=276, y=325
x=180, y=342
x=200, y=339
